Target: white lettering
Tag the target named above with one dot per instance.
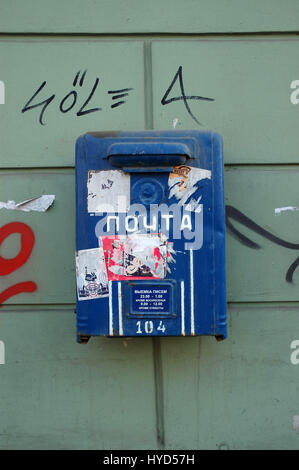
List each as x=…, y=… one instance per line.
x=167, y=217
x=152, y=226
x=112, y=217
x=127, y=220
x=186, y=224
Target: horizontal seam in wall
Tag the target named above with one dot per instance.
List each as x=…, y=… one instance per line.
x=148, y=35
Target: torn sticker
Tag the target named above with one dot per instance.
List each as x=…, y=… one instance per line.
x=182, y=183
x=92, y=282
x=279, y=210
x=108, y=191
x=39, y=204
x=137, y=256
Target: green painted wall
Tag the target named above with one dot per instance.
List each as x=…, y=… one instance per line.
x=138, y=393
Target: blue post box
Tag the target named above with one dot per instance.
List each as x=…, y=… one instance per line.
x=150, y=223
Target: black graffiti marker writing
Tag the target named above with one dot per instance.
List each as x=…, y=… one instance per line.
x=119, y=94
x=44, y=104
x=82, y=111
x=73, y=94
x=67, y=103
x=234, y=214
x=183, y=97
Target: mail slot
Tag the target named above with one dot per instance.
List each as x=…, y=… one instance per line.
x=150, y=234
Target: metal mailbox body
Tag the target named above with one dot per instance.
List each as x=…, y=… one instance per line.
x=150, y=231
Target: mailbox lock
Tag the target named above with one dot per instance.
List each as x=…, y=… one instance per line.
x=147, y=191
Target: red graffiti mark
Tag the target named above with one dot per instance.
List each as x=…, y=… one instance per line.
x=7, y=266
x=27, y=286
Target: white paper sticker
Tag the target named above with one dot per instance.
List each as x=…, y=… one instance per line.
x=108, y=191
x=92, y=282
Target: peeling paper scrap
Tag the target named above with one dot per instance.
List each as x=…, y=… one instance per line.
x=39, y=204
x=183, y=183
x=279, y=210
